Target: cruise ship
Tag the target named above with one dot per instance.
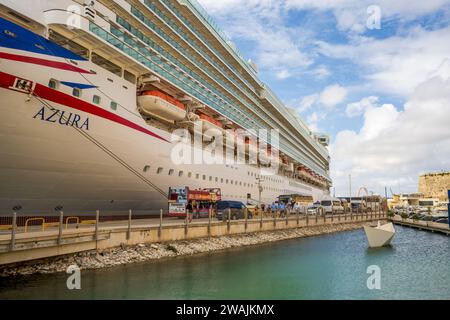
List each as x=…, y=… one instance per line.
x=92, y=93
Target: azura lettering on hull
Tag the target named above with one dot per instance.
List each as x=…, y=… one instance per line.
x=63, y=118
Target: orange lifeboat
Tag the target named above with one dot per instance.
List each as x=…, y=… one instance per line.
x=158, y=104
x=210, y=124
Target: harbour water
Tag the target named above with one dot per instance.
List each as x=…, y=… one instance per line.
x=415, y=266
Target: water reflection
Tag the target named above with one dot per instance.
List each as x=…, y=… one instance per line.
x=415, y=266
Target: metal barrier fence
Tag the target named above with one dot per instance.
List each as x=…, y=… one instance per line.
x=53, y=223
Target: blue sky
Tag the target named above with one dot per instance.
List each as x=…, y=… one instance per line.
x=373, y=90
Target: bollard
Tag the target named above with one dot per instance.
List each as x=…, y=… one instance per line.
x=287, y=216
x=261, y=219
x=129, y=225
x=13, y=231
x=229, y=219
x=97, y=220
x=160, y=222
x=307, y=219
x=275, y=219
x=209, y=221
x=186, y=223
x=61, y=219
x=245, y=217
x=298, y=216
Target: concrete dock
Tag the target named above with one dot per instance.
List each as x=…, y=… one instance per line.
x=37, y=245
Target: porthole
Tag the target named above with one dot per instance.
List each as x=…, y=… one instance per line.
x=76, y=92
x=53, y=84
x=96, y=99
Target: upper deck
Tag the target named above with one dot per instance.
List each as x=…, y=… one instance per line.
x=177, y=42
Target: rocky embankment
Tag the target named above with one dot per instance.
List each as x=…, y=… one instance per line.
x=146, y=252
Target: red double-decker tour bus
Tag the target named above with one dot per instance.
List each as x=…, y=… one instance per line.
x=199, y=199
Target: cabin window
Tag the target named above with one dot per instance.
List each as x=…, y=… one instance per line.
x=106, y=64
x=180, y=174
x=76, y=92
x=197, y=176
x=96, y=99
x=160, y=169
x=189, y=174
x=171, y=172
x=129, y=77
x=53, y=84
x=221, y=180
x=226, y=181
x=113, y=105
x=210, y=178
x=69, y=44
x=146, y=168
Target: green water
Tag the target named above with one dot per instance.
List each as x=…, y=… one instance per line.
x=416, y=266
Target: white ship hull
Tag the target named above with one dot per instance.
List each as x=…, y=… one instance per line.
x=45, y=163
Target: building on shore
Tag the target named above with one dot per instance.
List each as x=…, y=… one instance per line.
x=435, y=185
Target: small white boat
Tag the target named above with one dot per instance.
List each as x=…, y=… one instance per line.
x=380, y=235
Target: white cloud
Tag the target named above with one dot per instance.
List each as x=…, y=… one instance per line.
x=396, y=64
x=307, y=102
x=313, y=121
x=393, y=147
x=276, y=47
x=358, y=108
x=352, y=15
x=333, y=95
x=321, y=72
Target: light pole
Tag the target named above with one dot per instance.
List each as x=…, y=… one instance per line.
x=260, y=188
x=350, y=189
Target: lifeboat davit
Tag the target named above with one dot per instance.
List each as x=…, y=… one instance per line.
x=158, y=104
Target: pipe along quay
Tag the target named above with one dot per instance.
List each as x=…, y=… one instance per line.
x=70, y=235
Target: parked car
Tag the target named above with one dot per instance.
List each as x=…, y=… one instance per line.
x=332, y=206
x=313, y=210
x=237, y=210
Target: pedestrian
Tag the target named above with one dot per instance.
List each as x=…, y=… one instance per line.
x=274, y=208
x=189, y=210
x=282, y=208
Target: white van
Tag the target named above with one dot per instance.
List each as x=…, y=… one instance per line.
x=332, y=205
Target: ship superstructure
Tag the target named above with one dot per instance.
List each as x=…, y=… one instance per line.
x=92, y=91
